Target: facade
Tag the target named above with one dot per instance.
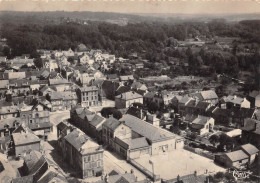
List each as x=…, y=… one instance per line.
x=235, y=159
x=234, y=101
x=24, y=142
x=202, y=125
x=83, y=154
x=209, y=96
x=88, y=96
x=251, y=151
x=9, y=112
x=126, y=99
x=37, y=118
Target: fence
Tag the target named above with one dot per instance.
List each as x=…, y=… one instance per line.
x=201, y=152
x=144, y=170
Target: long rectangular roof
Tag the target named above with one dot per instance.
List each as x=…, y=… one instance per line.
x=146, y=129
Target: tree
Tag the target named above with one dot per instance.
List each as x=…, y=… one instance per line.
x=38, y=62
x=71, y=60
x=152, y=107
x=107, y=111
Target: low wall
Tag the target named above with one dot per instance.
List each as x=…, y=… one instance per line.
x=144, y=170
x=200, y=152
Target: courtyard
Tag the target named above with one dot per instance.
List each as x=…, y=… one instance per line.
x=178, y=162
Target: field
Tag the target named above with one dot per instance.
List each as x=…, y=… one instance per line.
x=178, y=162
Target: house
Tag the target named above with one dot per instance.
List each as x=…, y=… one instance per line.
x=60, y=84
x=9, y=112
x=37, y=118
x=112, y=77
x=163, y=99
x=24, y=142
x=4, y=86
x=126, y=78
x=159, y=139
x=34, y=165
x=209, y=96
x=80, y=117
x=232, y=117
x=251, y=132
x=124, y=100
x=189, y=105
x=95, y=127
x=254, y=98
x=83, y=154
x=85, y=58
x=139, y=66
x=47, y=90
x=62, y=100
x=52, y=175
x=251, y=151
x=138, y=86
x=7, y=126
x=88, y=96
x=202, y=125
x=235, y=159
x=234, y=101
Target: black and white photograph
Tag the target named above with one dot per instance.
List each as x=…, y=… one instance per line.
x=129, y=91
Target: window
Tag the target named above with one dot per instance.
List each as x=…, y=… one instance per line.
x=98, y=164
x=240, y=161
x=88, y=158
x=13, y=114
x=31, y=121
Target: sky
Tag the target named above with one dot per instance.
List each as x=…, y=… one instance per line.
x=137, y=6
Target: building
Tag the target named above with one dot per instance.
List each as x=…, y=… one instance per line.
x=254, y=98
x=159, y=139
x=209, y=96
x=9, y=112
x=202, y=125
x=234, y=101
x=37, y=118
x=235, y=159
x=24, y=142
x=251, y=132
x=7, y=126
x=60, y=84
x=88, y=96
x=83, y=154
x=126, y=99
x=251, y=151
x=34, y=165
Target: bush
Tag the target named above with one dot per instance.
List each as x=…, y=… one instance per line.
x=219, y=175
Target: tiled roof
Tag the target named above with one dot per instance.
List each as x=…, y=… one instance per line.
x=9, y=109
x=249, y=149
x=58, y=81
x=136, y=143
x=88, y=88
x=81, y=142
x=128, y=77
x=31, y=159
x=112, y=123
x=35, y=126
x=149, y=95
x=145, y=129
x=97, y=120
x=129, y=96
x=236, y=155
x=209, y=94
x=24, y=138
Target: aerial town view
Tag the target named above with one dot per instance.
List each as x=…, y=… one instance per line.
x=100, y=94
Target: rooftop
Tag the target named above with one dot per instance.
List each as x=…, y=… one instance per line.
x=24, y=138
x=129, y=95
x=146, y=129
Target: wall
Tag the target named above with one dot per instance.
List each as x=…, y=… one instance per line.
x=21, y=149
x=157, y=146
